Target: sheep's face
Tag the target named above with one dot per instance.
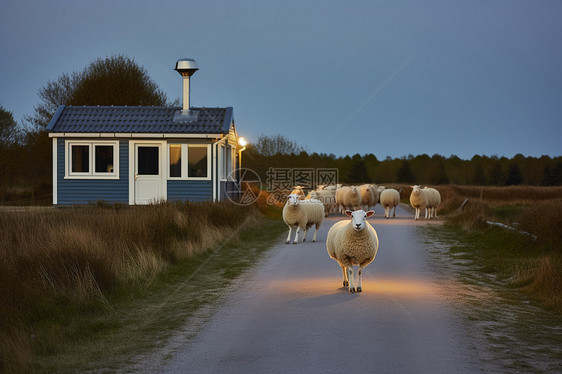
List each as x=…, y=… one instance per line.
x=416, y=189
x=358, y=218
x=293, y=199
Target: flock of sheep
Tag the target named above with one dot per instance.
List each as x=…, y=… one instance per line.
x=351, y=242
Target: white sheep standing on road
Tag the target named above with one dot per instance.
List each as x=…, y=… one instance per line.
x=302, y=214
x=352, y=198
x=380, y=189
x=325, y=197
x=418, y=200
x=433, y=202
x=368, y=198
x=340, y=197
x=351, y=243
x=389, y=198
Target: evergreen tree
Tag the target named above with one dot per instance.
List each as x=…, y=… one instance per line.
x=358, y=173
x=404, y=173
x=479, y=178
x=514, y=176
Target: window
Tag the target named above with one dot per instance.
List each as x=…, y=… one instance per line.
x=104, y=158
x=175, y=160
x=189, y=161
x=197, y=161
x=80, y=159
x=147, y=158
x=96, y=160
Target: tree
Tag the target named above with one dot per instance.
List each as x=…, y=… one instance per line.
x=10, y=137
x=437, y=173
x=479, y=178
x=358, y=173
x=115, y=80
x=277, y=145
x=404, y=174
x=514, y=176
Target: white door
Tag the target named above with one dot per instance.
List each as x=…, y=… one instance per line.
x=148, y=173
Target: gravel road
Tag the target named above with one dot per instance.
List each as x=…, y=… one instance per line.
x=291, y=315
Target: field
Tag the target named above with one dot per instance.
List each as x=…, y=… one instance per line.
x=531, y=264
x=59, y=265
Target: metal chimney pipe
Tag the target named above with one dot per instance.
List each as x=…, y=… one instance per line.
x=186, y=67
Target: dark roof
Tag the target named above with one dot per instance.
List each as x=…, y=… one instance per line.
x=139, y=119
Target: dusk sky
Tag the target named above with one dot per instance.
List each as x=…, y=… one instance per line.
x=390, y=78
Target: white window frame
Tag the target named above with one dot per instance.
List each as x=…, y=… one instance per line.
x=91, y=174
x=183, y=155
x=185, y=161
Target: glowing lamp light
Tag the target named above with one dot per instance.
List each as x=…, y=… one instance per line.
x=242, y=141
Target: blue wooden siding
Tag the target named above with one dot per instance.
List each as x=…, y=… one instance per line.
x=229, y=190
x=190, y=190
x=84, y=191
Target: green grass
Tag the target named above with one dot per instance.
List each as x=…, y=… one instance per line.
x=514, y=259
x=135, y=322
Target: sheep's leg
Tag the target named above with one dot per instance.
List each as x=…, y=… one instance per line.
x=297, y=235
x=315, y=232
x=394, y=214
x=351, y=278
x=304, y=236
x=345, y=281
x=417, y=214
x=289, y=236
x=359, y=279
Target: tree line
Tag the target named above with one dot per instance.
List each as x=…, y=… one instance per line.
x=421, y=169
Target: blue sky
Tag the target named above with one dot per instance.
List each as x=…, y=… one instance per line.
x=390, y=78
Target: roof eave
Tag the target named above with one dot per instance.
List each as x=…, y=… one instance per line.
x=55, y=118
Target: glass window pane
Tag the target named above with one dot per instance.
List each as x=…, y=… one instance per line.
x=147, y=160
x=175, y=160
x=80, y=158
x=104, y=158
x=197, y=162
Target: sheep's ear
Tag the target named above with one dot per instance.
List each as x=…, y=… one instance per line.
x=348, y=213
x=370, y=213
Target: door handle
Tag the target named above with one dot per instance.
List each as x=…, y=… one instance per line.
x=136, y=177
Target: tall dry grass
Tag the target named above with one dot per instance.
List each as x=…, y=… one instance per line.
x=77, y=256
x=533, y=265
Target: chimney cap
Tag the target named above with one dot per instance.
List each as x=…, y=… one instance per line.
x=186, y=67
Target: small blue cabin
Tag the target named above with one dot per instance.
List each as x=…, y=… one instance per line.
x=140, y=155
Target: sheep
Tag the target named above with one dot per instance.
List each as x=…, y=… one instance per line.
x=298, y=190
x=352, y=198
x=376, y=194
x=340, y=194
x=380, y=189
x=367, y=196
x=302, y=214
x=390, y=198
x=418, y=200
x=325, y=197
x=433, y=202
x=351, y=243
